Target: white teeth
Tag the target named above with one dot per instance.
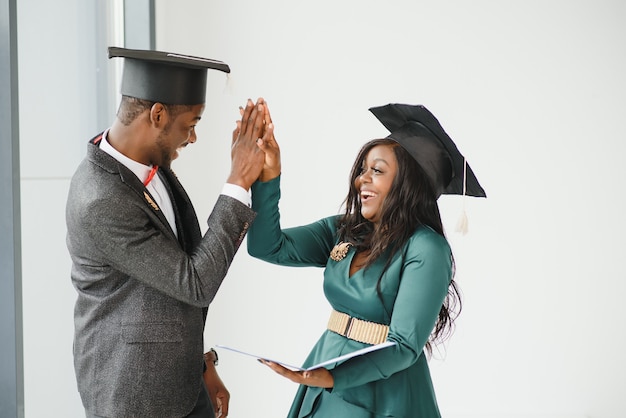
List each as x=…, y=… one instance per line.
x=367, y=194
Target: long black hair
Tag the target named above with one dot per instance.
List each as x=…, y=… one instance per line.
x=411, y=203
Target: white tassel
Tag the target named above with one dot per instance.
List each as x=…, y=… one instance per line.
x=229, y=86
x=462, y=224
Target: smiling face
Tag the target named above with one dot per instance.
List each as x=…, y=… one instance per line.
x=177, y=133
x=378, y=172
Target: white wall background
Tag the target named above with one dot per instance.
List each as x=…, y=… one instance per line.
x=531, y=91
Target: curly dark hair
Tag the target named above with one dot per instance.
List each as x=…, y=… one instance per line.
x=131, y=107
x=411, y=203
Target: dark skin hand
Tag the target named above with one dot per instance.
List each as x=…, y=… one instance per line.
x=220, y=397
x=247, y=158
x=320, y=377
x=268, y=144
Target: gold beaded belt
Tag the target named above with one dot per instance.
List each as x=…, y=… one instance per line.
x=357, y=329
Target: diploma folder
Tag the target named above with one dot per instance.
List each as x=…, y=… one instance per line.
x=322, y=364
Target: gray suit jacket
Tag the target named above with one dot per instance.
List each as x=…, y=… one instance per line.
x=142, y=293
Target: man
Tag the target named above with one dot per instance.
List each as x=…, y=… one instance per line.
x=144, y=274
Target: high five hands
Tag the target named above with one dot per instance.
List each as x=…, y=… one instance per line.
x=256, y=122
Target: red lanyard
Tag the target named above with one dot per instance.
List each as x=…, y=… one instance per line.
x=152, y=171
x=151, y=175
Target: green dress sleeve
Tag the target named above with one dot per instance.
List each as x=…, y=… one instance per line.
x=303, y=246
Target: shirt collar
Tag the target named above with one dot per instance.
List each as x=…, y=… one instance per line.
x=140, y=170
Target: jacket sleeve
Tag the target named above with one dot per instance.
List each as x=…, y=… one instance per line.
x=423, y=288
x=115, y=235
x=307, y=245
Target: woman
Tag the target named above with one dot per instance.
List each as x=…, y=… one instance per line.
x=388, y=269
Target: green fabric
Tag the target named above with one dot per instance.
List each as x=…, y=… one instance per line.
x=394, y=381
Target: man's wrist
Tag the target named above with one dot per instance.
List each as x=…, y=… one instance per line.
x=211, y=357
x=237, y=192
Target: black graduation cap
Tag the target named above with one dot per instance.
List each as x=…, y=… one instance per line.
x=165, y=77
x=420, y=133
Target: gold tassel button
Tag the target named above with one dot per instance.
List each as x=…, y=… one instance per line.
x=340, y=250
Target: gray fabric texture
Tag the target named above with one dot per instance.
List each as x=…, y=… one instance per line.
x=142, y=293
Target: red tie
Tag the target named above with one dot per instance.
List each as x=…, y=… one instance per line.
x=151, y=175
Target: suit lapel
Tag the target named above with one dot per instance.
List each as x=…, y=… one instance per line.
x=189, y=234
x=130, y=179
x=188, y=228
x=111, y=165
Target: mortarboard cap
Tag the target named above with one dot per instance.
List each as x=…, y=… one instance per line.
x=165, y=77
x=420, y=133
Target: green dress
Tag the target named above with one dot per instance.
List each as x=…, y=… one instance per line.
x=391, y=382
